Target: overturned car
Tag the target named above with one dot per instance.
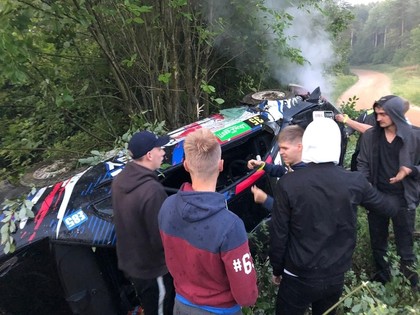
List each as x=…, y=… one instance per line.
x=65, y=260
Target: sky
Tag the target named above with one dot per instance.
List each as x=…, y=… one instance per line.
x=361, y=1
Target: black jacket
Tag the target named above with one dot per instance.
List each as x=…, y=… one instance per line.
x=137, y=196
x=313, y=230
x=409, y=155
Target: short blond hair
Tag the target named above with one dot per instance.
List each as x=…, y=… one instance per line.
x=291, y=134
x=202, y=153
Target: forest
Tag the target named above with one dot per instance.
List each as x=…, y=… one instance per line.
x=387, y=32
x=82, y=75
x=79, y=77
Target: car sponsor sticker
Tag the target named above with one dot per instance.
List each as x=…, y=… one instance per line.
x=322, y=114
x=232, y=131
x=75, y=219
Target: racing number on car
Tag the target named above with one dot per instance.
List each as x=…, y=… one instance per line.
x=245, y=264
x=75, y=219
x=257, y=120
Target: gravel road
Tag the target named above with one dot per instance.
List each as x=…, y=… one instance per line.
x=371, y=86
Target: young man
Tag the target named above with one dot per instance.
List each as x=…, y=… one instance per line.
x=137, y=196
x=206, y=245
x=290, y=146
x=390, y=159
x=365, y=121
x=313, y=227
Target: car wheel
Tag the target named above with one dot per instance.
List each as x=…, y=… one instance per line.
x=50, y=172
x=256, y=98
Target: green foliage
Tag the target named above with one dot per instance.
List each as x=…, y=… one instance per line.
x=139, y=122
x=15, y=212
x=349, y=107
x=267, y=290
x=385, y=32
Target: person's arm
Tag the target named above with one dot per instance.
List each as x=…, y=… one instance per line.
x=279, y=231
x=376, y=201
x=268, y=203
x=404, y=172
x=409, y=161
x=239, y=265
x=251, y=164
x=152, y=207
x=274, y=170
x=262, y=198
x=363, y=161
x=353, y=124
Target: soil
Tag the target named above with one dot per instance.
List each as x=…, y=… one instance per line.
x=371, y=86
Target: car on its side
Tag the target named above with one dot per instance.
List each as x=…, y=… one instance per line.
x=65, y=261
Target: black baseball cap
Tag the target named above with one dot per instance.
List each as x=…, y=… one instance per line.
x=143, y=142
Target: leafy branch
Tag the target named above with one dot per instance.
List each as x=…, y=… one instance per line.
x=14, y=212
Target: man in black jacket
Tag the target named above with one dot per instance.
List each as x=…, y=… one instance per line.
x=313, y=230
x=137, y=196
x=390, y=159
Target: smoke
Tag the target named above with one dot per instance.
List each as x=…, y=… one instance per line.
x=307, y=33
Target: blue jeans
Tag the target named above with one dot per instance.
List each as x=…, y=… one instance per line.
x=296, y=294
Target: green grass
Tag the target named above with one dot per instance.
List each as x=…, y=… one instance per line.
x=341, y=84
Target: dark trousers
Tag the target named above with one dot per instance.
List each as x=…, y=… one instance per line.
x=156, y=295
x=296, y=294
x=403, y=225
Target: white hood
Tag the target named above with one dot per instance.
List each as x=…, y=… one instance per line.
x=321, y=142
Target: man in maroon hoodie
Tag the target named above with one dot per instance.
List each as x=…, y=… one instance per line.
x=206, y=245
x=136, y=199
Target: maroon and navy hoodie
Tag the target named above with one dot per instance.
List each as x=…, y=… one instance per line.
x=207, y=252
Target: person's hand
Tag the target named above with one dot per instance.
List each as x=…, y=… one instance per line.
x=342, y=118
x=276, y=279
x=402, y=173
x=259, y=195
x=254, y=163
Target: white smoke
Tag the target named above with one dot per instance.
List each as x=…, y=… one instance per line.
x=308, y=34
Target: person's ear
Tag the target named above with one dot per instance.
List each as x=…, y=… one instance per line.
x=300, y=146
x=221, y=165
x=186, y=166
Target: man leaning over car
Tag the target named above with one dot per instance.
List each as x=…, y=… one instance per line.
x=137, y=196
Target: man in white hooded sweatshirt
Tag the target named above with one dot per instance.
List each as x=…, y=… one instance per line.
x=313, y=230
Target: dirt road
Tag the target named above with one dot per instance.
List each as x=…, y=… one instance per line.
x=370, y=87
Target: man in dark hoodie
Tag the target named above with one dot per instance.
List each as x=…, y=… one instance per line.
x=390, y=159
x=137, y=196
x=313, y=228
x=206, y=245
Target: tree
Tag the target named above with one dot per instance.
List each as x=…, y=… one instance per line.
x=92, y=70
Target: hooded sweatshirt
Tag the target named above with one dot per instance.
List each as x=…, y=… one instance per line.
x=207, y=252
x=313, y=230
x=136, y=199
x=408, y=155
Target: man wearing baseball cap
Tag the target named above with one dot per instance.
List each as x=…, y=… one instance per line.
x=137, y=196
